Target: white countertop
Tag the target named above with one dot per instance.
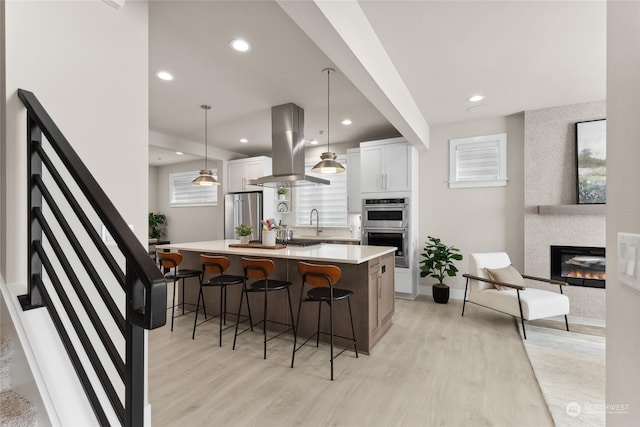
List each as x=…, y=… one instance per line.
x=346, y=254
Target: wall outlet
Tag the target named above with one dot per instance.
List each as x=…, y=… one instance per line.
x=628, y=259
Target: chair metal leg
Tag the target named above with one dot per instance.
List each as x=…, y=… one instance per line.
x=235, y=337
x=353, y=331
x=264, y=322
x=294, y=327
x=182, y=296
x=295, y=331
x=331, y=326
x=318, y=324
x=246, y=295
x=524, y=332
x=464, y=298
x=195, y=320
x=566, y=322
x=173, y=306
x=223, y=296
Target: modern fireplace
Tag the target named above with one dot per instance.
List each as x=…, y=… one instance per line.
x=578, y=265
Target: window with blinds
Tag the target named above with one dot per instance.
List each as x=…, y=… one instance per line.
x=479, y=161
x=183, y=193
x=329, y=200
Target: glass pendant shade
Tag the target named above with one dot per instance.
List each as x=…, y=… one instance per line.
x=206, y=175
x=328, y=164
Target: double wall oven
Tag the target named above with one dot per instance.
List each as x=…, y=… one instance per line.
x=385, y=222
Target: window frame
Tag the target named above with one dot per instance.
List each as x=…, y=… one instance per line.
x=341, y=159
x=191, y=175
x=476, y=143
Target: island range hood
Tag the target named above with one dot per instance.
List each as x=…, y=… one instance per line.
x=287, y=144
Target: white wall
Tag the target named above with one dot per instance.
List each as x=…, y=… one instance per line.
x=153, y=188
x=87, y=63
x=623, y=208
x=95, y=86
x=472, y=219
x=3, y=145
x=190, y=224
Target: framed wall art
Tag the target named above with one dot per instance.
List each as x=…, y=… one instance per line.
x=591, y=162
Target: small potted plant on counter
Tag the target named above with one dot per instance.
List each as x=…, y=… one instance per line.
x=438, y=263
x=282, y=193
x=244, y=231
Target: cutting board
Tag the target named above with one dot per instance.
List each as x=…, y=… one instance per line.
x=255, y=246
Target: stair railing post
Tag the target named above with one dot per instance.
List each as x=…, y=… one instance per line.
x=33, y=299
x=135, y=363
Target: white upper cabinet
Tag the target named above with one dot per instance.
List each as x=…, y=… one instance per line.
x=353, y=181
x=240, y=171
x=385, y=166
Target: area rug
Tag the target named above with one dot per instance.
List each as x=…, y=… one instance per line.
x=570, y=369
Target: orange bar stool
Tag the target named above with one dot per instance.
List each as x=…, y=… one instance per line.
x=215, y=266
x=322, y=279
x=260, y=269
x=172, y=261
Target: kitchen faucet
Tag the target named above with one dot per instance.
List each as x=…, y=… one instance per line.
x=317, y=219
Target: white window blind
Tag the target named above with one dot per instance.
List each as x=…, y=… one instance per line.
x=479, y=161
x=183, y=193
x=329, y=200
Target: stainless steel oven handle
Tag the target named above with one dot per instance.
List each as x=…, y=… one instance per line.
x=385, y=229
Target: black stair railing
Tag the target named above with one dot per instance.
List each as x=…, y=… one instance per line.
x=141, y=286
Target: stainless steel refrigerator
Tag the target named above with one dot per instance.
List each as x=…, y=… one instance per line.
x=243, y=208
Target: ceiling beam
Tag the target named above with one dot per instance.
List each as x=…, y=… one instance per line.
x=343, y=32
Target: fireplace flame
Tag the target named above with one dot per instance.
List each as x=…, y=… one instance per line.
x=584, y=274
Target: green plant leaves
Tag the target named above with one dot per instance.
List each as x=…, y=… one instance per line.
x=438, y=260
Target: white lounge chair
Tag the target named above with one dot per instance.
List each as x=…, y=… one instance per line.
x=493, y=283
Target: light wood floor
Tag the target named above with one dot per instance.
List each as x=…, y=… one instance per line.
x=433, y=368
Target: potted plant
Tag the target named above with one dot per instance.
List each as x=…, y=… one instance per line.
x=282, y=193
x=157, y=223
x=244, y=231
x=438, y=263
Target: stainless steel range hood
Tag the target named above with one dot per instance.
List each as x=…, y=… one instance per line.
x=287, y=144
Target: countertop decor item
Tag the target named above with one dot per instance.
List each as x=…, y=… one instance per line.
x=157, y=221
x=206, y=175
x=438, y=263
x=328, y=163
x=244, y=231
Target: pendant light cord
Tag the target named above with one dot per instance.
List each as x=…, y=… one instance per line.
x=206, y=109
x=328, y=70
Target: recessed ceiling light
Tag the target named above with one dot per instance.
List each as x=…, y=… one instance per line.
x=347, y=122
x=164, y=75
x=244, y=140
x=240, y=45
x=179, y=153
x=314, y=142
x=475, y=98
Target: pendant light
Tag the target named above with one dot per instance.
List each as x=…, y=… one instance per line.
x=328, y=163
x=206, y=176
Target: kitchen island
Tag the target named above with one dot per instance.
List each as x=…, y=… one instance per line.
x=366, y=270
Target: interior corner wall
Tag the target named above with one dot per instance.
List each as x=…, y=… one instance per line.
x=483, y=219
x=623, y=210
x=153, y=188
x=87, y=62
x=3, y=147
x=550, y=179
x=192, y=223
